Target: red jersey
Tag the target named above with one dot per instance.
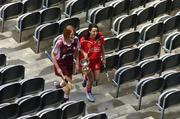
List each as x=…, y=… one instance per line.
x=93, y=47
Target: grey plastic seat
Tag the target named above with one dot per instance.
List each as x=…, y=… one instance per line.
x=81, y=32
x=45, y=32
x=168, y=99
x=122, y=75
x=73, y=110
x=52, y=98
x=101, y=115
x=50, y=113
x=120, y=7
x=149, y=50
x=129, y=39
x=150, y=67
x=105, y=13
x=171, y=80
x=123, y=23
x=10, y=91
x=147, y=86
x=128, y=56
x=151, y=31
x=51, y=14
x=144, y=15
x=32, y=85
x=12, y=73
x=111, y=45
x=28, y=104
x=9, y=110
x=27, y=21
x=74, y=21
x=31, y=5
x=50, y=3
x=10, y=11
x=172, y=42
x=75, y=7
x=170, y=61
x=162, y=7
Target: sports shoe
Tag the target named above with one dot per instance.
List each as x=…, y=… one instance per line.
x=84, y=83
x=90, y=97
x=57, y=85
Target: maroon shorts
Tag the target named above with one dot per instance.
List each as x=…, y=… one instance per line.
x=67, y=68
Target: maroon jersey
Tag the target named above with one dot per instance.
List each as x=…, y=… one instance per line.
x=64, y=54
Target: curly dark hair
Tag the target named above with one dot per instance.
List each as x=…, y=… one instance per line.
x=87, y=34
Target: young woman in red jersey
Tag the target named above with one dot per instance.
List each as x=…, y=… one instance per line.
x=66, y=48
x=93, y=44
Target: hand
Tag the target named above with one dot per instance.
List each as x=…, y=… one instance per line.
x=59, y=71
x=77, y=67
x=85, y=55
x=104, y=61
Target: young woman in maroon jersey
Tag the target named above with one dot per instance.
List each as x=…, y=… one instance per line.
x=66, y=48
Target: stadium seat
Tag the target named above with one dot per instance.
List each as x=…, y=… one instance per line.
x=147, y=86
x=31, y=5
x=50, y=113
x=111, y=45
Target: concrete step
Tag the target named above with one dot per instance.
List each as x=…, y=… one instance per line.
x=10, y=45
x=147, y=101
x=119, y=111
x=25, y=56
x=38, y=68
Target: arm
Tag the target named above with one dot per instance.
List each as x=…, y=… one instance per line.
x=54, y=60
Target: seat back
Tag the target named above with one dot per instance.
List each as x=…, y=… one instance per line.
x=74, y=110
x=127, y=22
x=13, y=73
x=11, y=10
x=9, y=110
x=52, y=98
x=128, y=56
x=50, y=113
x=149, y=50
x=32, y=5
x=50, y=15
x=111, y=44
x=175, y=5
x=152, y=31
x=171, y=80
x=152, y=85
x=2, y=60
x=151, y=67
x=32, y=86
x=171, y=23
x=74, y=21
x=162, y=7
x=136, y=3
x=120, y=7
x=128, y=40
x=28, y=20
x=124, y=76
x=50, y=3
x=77, y=7
x=10, y=91
x=103, y=14
x=170, y=61
x=172, y=99
x=145, y=15
x=29, y=105
x=111, y=61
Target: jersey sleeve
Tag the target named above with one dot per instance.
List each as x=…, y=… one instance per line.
x=56, y=49
x=102, y=38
